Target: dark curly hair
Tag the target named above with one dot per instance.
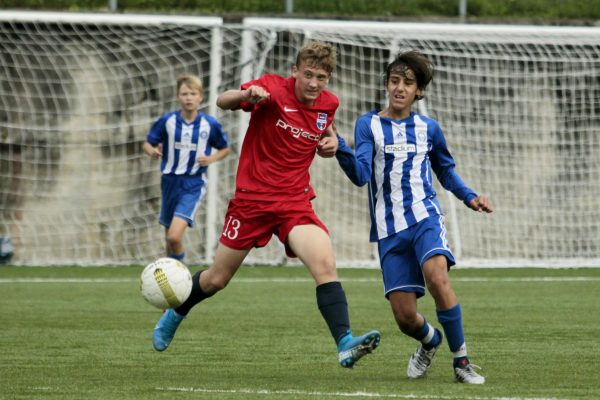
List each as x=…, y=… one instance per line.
x=417, y=62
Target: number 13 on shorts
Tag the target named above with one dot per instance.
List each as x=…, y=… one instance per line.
x=231, y=230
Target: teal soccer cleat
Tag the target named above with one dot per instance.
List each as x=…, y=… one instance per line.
x=351, y=349
x=165, y=328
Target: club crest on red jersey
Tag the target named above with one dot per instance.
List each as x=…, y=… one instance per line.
x=321, y=120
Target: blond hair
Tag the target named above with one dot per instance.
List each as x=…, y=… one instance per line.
x=317, y=54
x=191, y=81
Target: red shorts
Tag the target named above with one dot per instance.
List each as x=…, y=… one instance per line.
x=252, y=223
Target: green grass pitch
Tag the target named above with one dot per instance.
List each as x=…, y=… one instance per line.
x=85, y=333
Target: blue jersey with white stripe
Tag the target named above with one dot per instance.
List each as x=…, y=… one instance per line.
x=182, y=142
x=396, y=158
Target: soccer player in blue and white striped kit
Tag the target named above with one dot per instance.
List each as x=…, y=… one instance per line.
x=396, y=151
x=184, y=140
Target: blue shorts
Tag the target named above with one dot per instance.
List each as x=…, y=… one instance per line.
x=403, y=254
x=181, y=196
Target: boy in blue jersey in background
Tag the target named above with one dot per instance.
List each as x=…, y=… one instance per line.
x=184, y=140
x=396, y=150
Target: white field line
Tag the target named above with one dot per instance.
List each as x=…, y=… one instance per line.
x=371, y=395
x=539, y=279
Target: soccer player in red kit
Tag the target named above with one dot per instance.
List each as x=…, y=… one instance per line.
x=288, y=125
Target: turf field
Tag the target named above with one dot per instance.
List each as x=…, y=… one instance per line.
x=84, y=333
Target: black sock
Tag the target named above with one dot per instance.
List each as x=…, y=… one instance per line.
x=195, y=297
x=332, y=303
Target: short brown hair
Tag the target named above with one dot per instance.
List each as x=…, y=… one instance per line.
x=318, y=54
x=191, y=81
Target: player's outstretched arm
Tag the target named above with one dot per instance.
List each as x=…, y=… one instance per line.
x=232, y=99
x=481, y=204
x=357, y=166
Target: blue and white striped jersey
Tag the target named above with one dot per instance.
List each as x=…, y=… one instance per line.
x=396, y=158
x=183, y=143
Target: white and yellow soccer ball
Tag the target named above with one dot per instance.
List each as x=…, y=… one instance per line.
x=166, y=283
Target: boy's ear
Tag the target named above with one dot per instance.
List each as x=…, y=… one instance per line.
x=420, y=94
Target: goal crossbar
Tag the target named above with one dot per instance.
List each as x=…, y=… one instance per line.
x=518, y=106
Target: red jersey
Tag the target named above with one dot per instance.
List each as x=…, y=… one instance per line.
x=281, y=141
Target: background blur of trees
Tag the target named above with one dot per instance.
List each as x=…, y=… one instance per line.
x=586, y=12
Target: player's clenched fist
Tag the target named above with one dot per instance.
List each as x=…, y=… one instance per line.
x=256, y=94
x=328, y=144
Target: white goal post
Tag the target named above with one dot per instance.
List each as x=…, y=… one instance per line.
x=519, y=107
x=79, y=93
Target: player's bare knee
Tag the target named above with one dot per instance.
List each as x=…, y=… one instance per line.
x=324, y=271
x=213, y=283
x=406, y=317
x=438, y=283
x=218, y=285
x=173, y=241
x=407, y=322
x=329, y=266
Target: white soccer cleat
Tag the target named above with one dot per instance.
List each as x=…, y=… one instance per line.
x=420, y=361
x=467, y=374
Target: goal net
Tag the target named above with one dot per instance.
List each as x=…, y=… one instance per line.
x=79, y=93
x=518, y=105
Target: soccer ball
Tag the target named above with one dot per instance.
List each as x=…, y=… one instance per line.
x=166, y=283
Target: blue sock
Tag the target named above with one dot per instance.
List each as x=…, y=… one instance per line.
x=178, y=257
x=451, y=320
x=428, y=336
